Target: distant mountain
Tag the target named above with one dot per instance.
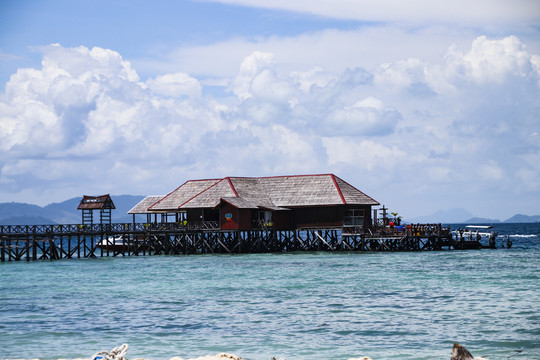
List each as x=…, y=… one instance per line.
x=520, y=218
x=26, y=220
x=456, y=215
x=65, y=212
x=462, y=216
x=123, y=204
x=18, y=211
x=62, y=213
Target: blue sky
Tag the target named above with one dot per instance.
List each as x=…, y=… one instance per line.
x=424, y=105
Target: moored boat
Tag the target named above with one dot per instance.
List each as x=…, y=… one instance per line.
x=119, y=243
x=472, y=234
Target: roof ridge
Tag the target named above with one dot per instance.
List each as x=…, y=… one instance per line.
x=338, y=189
x=187, y=181
x=298, y=175
x=162, y=197
x=160, y=200
x=232, y=186
x=194, y=196
x=366, y=195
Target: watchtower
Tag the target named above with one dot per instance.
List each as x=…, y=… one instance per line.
x=102, y=203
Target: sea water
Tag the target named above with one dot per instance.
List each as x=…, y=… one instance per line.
x=318, y=305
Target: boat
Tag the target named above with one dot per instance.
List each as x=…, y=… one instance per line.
x=118, y=243
x=474, y=233
x=472, y=230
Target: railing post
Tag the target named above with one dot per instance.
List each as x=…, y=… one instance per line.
x=27, y=245
x=2, y=248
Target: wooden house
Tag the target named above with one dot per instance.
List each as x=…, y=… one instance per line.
x=103, y=203
x=279, y=202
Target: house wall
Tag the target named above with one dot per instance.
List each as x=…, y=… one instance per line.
x=318, y=216
x=283, y=220
x=323, y=216
x=368, y=222
x=194, y=215
x=198, y=215
x=232, y=218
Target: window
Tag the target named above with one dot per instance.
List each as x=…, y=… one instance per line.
x=354, y=217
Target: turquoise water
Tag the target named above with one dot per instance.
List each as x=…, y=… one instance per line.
x=411, y=305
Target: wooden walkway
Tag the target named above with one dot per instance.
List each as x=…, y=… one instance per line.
x=53, y=242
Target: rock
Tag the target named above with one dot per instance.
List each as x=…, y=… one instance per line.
x=460, y=353
x=222, y=356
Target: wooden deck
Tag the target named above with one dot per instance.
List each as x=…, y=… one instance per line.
x=54, y=242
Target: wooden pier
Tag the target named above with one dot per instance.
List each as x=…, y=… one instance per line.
x=54, y=242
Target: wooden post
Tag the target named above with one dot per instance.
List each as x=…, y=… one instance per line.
x=3, y=249
x=27, y=245
x=34, y=245
x=84, y=245
x=101, y=241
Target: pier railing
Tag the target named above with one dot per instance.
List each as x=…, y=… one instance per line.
x=51, y=242
x=91, y=228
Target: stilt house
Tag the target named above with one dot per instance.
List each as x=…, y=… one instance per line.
x=103, y=203
x=280, y=202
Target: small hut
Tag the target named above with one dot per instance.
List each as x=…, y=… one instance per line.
x=103, y=203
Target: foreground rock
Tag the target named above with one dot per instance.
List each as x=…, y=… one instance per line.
x=119, y=353
x=458, y=353
x=222, y=356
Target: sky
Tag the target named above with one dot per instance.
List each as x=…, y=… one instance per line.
x=423, y=105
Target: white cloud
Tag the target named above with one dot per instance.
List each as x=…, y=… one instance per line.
x=316, y=76
x=493, y=61
x=251, y=67
x=77, y=61
x=175, y=85
x=332, y=50
x=367, y=117
x=364, y=154
x=257, y=78
x=491, y=171
x=401, y=74
x=29, y=122
x=429, y=128
x=460, y=11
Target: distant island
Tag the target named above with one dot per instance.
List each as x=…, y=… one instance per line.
x=462, y=216
x=13, y=213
